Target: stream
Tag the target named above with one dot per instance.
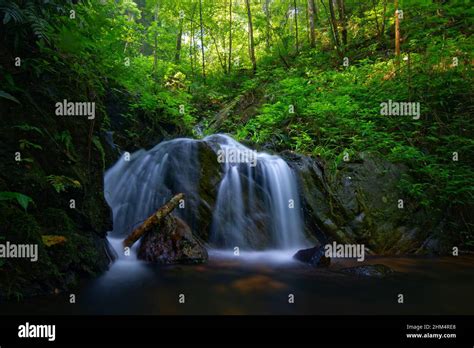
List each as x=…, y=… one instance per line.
x=249, y=201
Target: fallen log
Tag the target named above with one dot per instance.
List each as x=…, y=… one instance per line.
x=153, y=220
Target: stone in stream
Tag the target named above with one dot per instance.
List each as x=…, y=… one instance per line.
x=313, y=256
x=172, y=242
x=372, y=271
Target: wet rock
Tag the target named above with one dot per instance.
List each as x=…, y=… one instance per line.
x=372, y=271
x=359, y=203
x=313, y=256
x=200, y=182
x=172, y=242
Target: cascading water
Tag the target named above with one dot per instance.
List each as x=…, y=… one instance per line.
x=258, y=194
x=253, y=202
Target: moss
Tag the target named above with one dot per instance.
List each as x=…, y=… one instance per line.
x=17, y=225
x=55, y=221
x=58, y=265
x=100, y=148
x=21, y=276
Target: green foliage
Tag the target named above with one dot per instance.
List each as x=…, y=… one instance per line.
x=8, y=96
x=26, y=144
x=64, y=138
x=21, y=199
x=29, y=129
x=62, y=183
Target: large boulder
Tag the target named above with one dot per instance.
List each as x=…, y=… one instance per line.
x=323, y=213
x=359, y=203
x=172, y=242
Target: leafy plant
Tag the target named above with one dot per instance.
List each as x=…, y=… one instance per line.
x=21, y=199
x=61, y=183
x=65, y=139
x=26, y=144
x=8, y=96
x=28, y=128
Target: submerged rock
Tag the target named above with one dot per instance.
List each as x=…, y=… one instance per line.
x=313, y=256
x=172, y=242
x=373, y=271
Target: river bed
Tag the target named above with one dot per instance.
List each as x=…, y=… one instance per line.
x=261, y=282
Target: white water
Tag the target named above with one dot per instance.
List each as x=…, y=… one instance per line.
x=270, y=257
x=256, y=207
x=271, y=191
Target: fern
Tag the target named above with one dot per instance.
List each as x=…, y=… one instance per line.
x=65, y=139
x=11, y=11
x=39, y=26
x=61, y=183
x=30, y=16
x=27, y=128
x=25, y=144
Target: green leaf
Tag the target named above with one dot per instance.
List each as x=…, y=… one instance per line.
x=27, y=128
x=23, y=200
x=7, y=18
x=5, y=95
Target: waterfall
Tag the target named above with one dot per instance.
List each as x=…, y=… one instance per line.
x=235, y=197
x=271, y=197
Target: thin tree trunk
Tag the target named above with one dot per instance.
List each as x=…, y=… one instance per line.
x=295, y=9
x=267, y=19
x=202, y=41
x=311, y=13
x=224, y=47
x=251, y=42
x=382, y=30
x=155, y=45
x=334, y=25
x=342, y=19
x=222, y=60
x=230, y=36
x=307, y=22
x=191, y=42
x=397, y=35
x=178, y=42
x=377, y=26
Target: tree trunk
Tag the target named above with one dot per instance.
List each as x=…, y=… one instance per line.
x=178, y=42
x=155, y=46
x=342, y=19
x=251, y=42
x=267, y=20
x=311, y=13
x=334, y=25
x=191, y=42
x=230, y=36
x=397, y=35
x=382, y=29
x=153, y=220
x=295, y=9
x=202, y=41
